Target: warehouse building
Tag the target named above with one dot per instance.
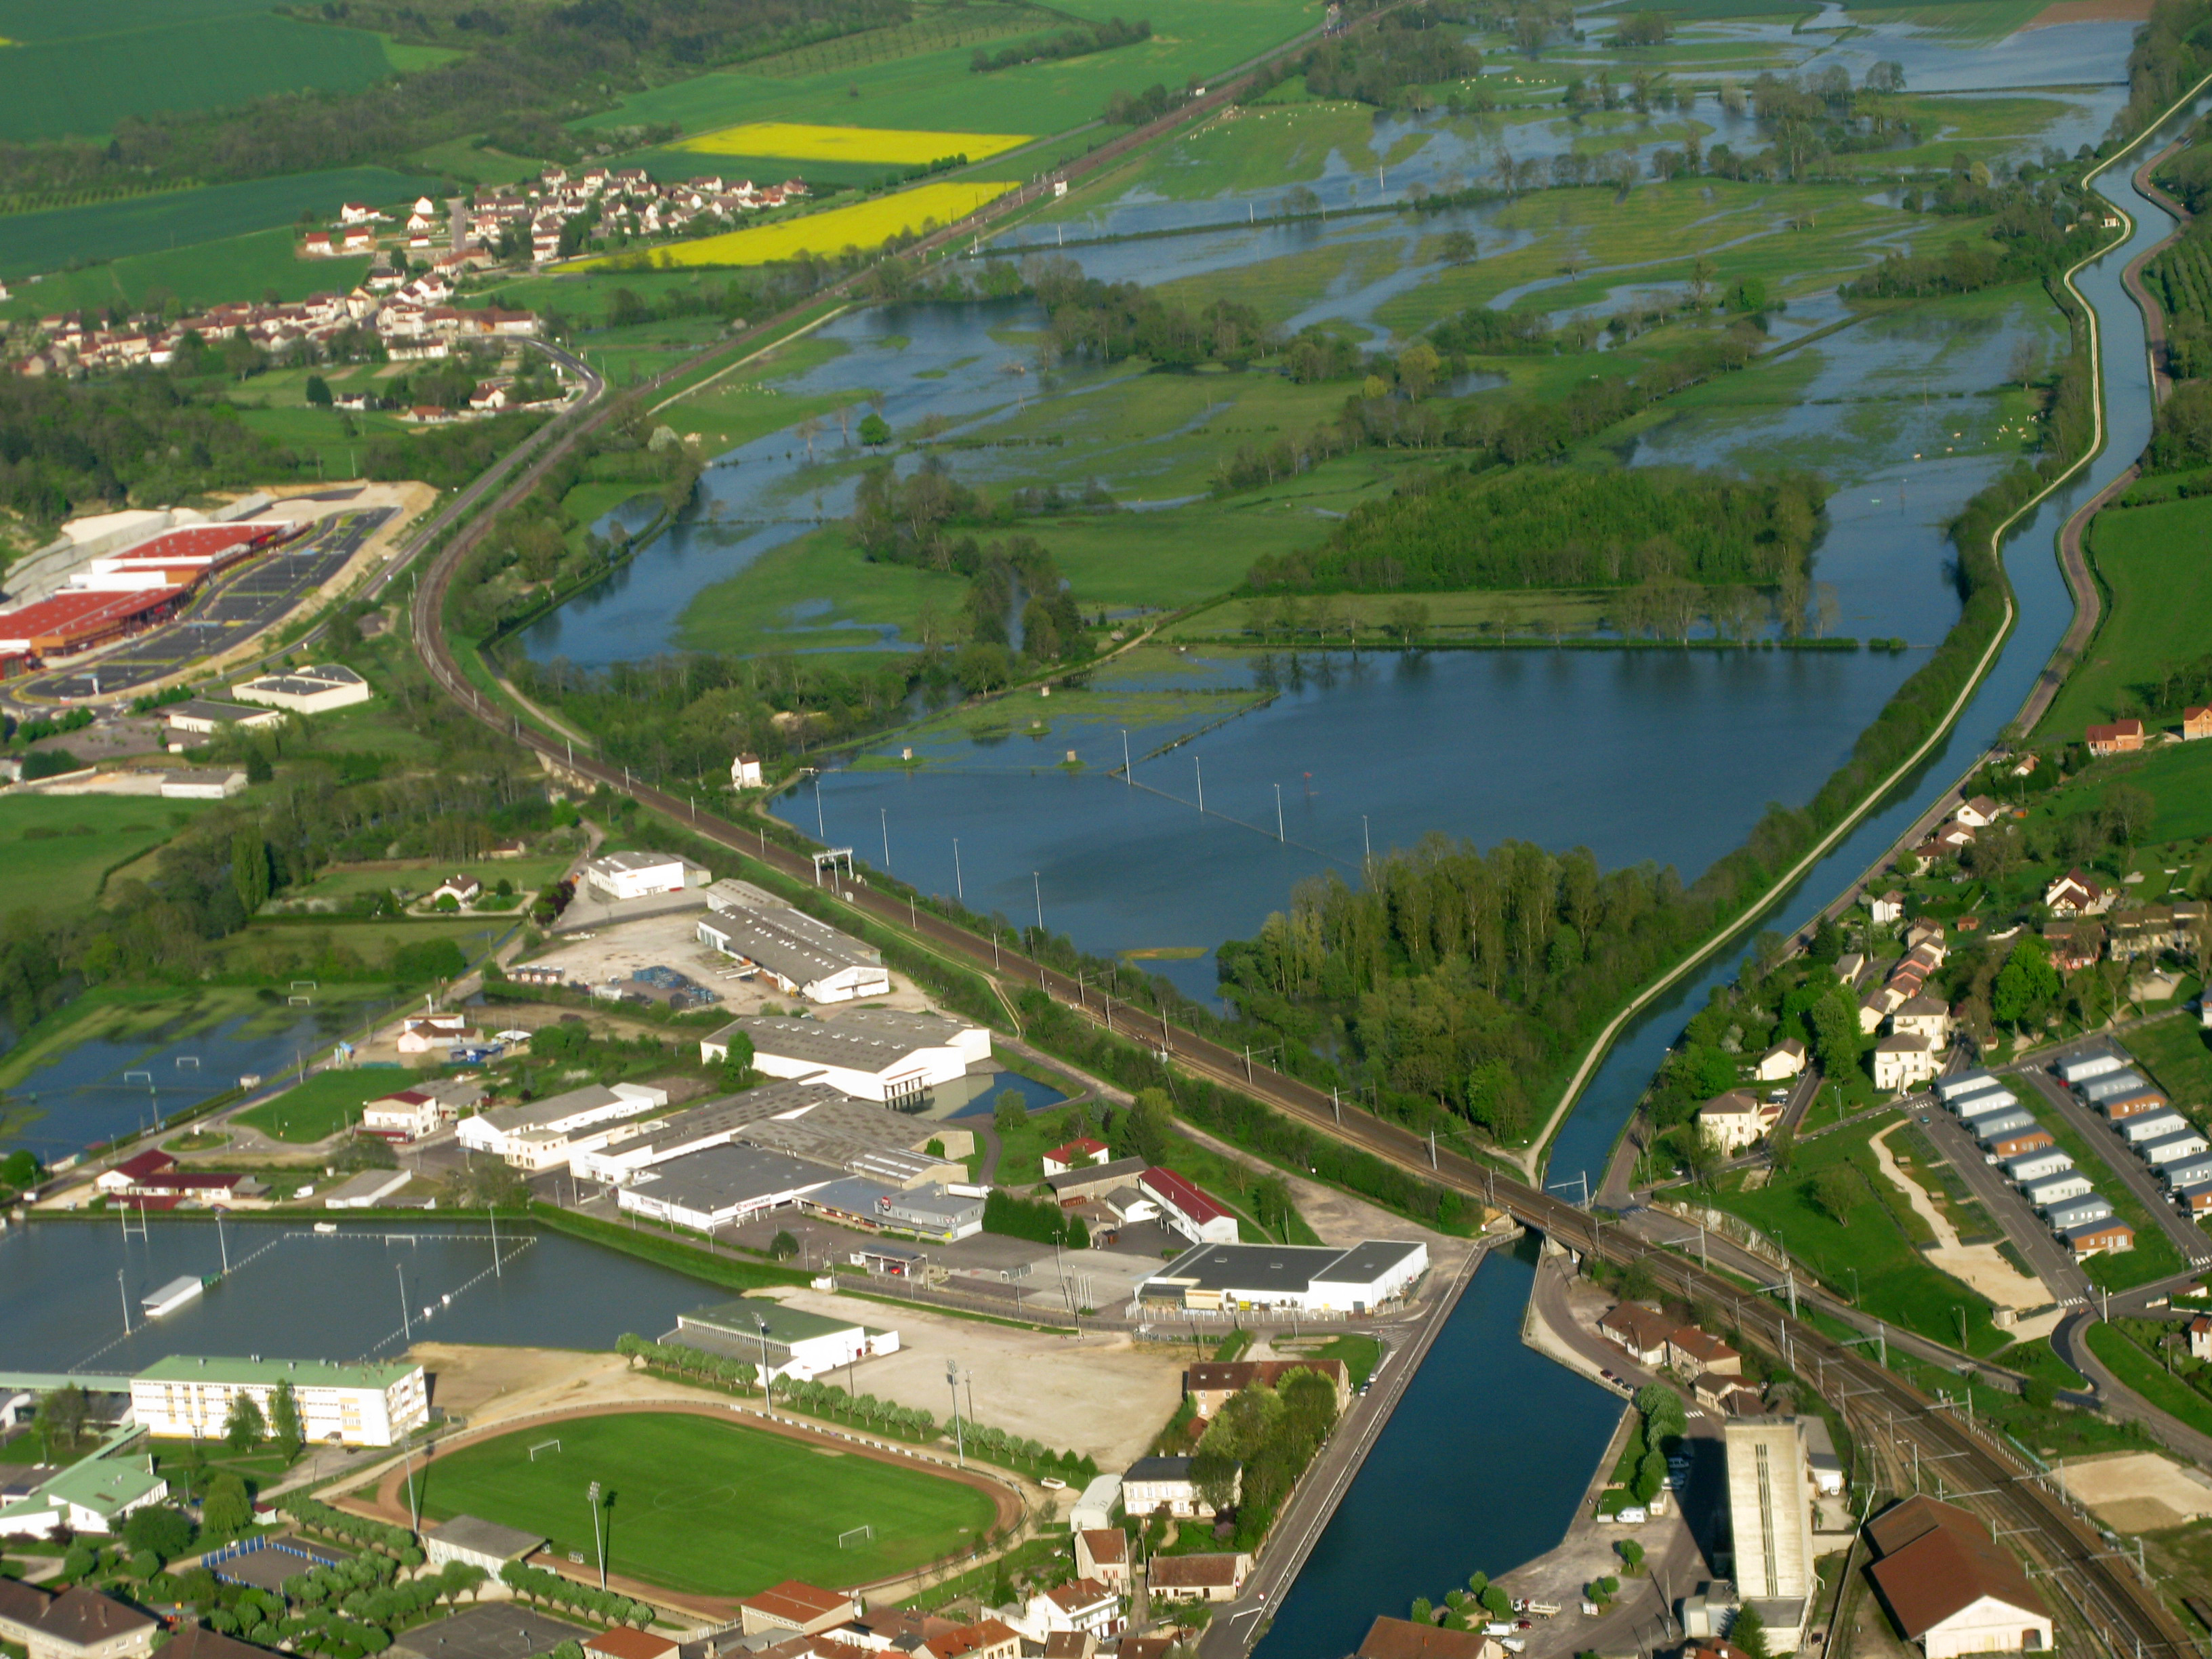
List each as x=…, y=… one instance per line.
x=796, y=1343
x=723, y=1184
x=1214, y=1277
x=616, y=876
x=544, y=1135
x=1951, y=1586
x=314, y=690
x=803, y=957
x=882, y=1054
x=924, y=1212
x=711, y=1123
x=189, y=1398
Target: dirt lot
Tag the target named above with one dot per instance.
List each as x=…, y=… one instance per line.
x=2138, y=1491
x=1097, y=1393
x=673, y=941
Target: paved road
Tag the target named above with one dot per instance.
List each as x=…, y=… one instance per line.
x=2049, y=1260
x=2131, y=1171
x=1323, y=1485
x=259, y=593
x=2071, y=1339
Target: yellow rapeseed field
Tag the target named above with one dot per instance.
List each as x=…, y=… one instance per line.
x=790, y=140
x=864, y=224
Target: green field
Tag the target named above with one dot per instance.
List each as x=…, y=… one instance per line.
x=2174, y=1050
x=2151, y=562
x=248, y=267
x=935, y=90
x=325, y=1103
x=1880, y=1237
x=56, y=238
x=708, y=1507
x=58, y=848
x=107, y=65
x=2135, y=1368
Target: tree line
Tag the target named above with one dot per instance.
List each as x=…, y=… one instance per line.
x=1069, y=43
x=1561, y=527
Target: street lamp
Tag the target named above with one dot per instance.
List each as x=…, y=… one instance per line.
x=959, y=1435
x=599, y=1540
x=768, y=1390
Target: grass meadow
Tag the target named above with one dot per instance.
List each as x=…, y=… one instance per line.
x=707, y=1507
x=176, y=221
x=2174, y=1049
x=81, y=84
x=59, y=848
x=2151, y=561
x=1880, y=1235
x=325, y=1103
x=935, y=89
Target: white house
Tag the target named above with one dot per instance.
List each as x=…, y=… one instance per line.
x=1978, y=813
x=1153, y=1484
x=184, y=1396
x=462, y=889
x=1903, y=1062
x=1085, y=1607
x=1786, y=1058
x=420, y=1033
x=1734, y=1120
x=1886, y=908
x=1923, y=1017
x=745, y=773
x=634, y=875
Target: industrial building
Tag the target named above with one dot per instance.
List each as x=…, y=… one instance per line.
x=185, y=1397
x=616, y=876
x=1308, y=1278
x=792, y=1342
x=723, y=1184
x=805, y=957
x=545, y=1133
x=1952, y=1586
x=1769, y=1489
x=925, y=1212
x=882, y=1054
x=1186, y=1209
x=314, y=690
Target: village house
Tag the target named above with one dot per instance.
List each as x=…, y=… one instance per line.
x=1211, y=1383
x=1102, y=1553
x=1076, y=1154
x=2119, y=738
x=1786, y=1058
x=77, y=1623
x=2073, y=945
x=2197, y=723
x=1692, y=1352
x=1922, y=1015
x=464, y=891
x=1086, y=1605
x=2076, y=894
x=1885, y=910
x=1903, y=1062
x=1736, y=1120
x=1978, y=813
x=1210, y=1577
x=1154, y=1484
x=1644, y=1335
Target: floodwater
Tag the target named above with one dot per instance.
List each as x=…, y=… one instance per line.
x=1480, y=1468
x=293, y=1293
x=100, y=1089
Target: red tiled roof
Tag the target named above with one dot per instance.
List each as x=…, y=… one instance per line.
x=145, y=1164
x=1172, y=1188
x=1948, y=1567
x=800, y=1603
x=622, y=1642
x=1401, y=1638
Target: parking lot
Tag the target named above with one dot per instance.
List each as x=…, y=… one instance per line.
x=259, y=593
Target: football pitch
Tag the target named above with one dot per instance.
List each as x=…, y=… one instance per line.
x=710, y=1507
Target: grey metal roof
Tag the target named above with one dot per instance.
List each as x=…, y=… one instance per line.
x=1367, y=1262
x=799, y=954
x=471, y=1531
x=1121, y=1172
x=724, y=1115
x=847, y=1041
x=1279, y=1267
x=723, y=1177
x=837, y=1130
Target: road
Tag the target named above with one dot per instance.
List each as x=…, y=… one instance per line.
x=2071, y=1340
x=2049, y=1260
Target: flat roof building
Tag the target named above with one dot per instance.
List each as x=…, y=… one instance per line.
x=615, y=876
x=545, y=1133
x=644, y=1143
x=713, y=1188
x=805, y=957
x=1770, y=1495
x=799, y=1344
x=314, y=690
x=188, y=1397
x=1317, y=1278
x=881, y=1054
x=478, y=1542
x=928, y=1212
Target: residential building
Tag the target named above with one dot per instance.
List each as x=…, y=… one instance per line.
x=187, y=1397
x=1951, y=1587
x=616, y=876
x=2149, y=1126
x=2052, y=1190
x=1769, y=1496
x=93, y=1496
x=1186, y=1209
x=2035, y=1166
x=545, y=1133
x=746, y=772
x=1885, y=910
x=987, y=1638
x=1736, y=1120
x=621, y=1641
x=1902, y=1063
x=1925, y=1016
x=2027, y=1137
x=2197, y=723
x=2174, y=1148
x=2111, y=1236
x=882, y=1054
x=2075, y=1069
x=421, y=1109
x=2122, y=737
x=1072, y=1185
x=1960, y=1084
x=1319, y=1278
x=801, y=1608
x=1641, y=1333
x=1993, y=1126
x=421, y=1033
x=1979, y=813
x=2076, y=1211
x=1693, y=1353
x=794, y=1342
x=1083, y=1604
x=2076, y=894
x=1402, y=1638
x=1210, y=1384
x=1786, y=1058
x=1083, y=1154
x=1102, y=1553
x=2073, y=945
x=1210, y=1577
x=77, y=1623
x=477, y=1543
x=1153, y=1484
x=2200, y=1336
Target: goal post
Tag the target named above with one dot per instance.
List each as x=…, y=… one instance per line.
x=544, y=1445
x=856, y=1535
